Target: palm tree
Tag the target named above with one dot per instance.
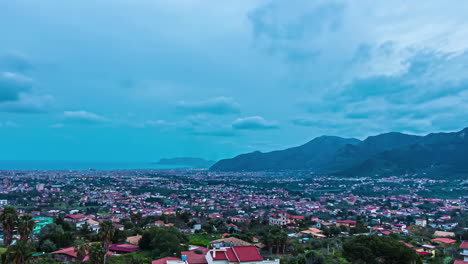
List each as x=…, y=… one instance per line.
x=96, y=254
x=25, y=226
x=81, y=250
x=106, y=233
x=9, y=219
x=136, y=218
x=20, y=253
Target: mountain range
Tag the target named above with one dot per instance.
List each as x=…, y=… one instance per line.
x=386, y=153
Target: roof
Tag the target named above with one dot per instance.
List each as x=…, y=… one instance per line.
x=351, y=222
x=194, y=258
x=69, y=251
x=75, y=216
x=444, y=234
x=464, y=245
x=164, y=260
x=134, y=239
x=233, y=240
x=460, y=262
x=444, y=240
x=406, y=244
x=123, y=248
x=238, y=254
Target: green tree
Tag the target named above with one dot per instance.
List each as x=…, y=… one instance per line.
x=96, y=253
x=25, y=226
x=136, y=218
x=163, y=241
x=81, y=249
x=48, y=246
x=20, y=253
x=9, y=219
x=378, y=250
x=106, y=233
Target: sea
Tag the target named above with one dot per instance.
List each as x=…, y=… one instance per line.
x=81, y=165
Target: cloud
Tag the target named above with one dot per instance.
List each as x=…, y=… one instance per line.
x=15, y=61
x=16, y=89
x=254, y=123
x=218, y=106
x=304, y=122
x=29, y=103
x=12, y=85
x=84, y=117
x=9, y=124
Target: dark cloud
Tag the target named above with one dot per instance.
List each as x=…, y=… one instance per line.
x=253, y=123
x=12, y=85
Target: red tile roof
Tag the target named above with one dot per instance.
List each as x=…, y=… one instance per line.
x=464, y=245
x=70, y=251
x=444, y=240
x=164, y=260
x=239, y=254
x=75, y=216
x=194, y=258
x=123, y=248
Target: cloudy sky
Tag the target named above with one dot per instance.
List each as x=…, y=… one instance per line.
x=125, y=80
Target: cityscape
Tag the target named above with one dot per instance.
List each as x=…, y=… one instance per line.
x=233, y=132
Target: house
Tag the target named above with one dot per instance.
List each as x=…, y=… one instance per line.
x=444, y=234
x=313, y=232
x=232, y=227
x=443, y=241
x=74, y=218
x=194, y=256
x=67, y=255
x=237, y=255
x=426, y=250
x=229, y=242
x=284, y=219
x=421, y=222
x=347, y=223
x=463, y=252
x=133, y=239
x=166, y=260
x=123, y=248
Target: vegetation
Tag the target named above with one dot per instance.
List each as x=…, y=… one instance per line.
x=375, y=250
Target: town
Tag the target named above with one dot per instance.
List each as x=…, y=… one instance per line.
x=209, y=217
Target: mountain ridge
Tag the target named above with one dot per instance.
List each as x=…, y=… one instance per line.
x=391, y=152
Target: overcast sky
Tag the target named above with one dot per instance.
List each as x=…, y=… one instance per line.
x=126, y=80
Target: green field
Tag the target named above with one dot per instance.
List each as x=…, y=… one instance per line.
x=202, y=239
x=2, y=250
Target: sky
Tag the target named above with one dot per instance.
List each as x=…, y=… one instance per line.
x=126, y=80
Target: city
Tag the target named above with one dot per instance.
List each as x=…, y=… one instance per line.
x=218, y=210
x=233, y=132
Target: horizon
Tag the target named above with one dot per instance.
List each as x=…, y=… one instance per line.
x=176, y=166
x=135, y=82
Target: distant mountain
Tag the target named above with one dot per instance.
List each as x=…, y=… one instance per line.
x=186, y=162
x=436, y=152
x=350, y=155
x=313, y=154
x=385, y=153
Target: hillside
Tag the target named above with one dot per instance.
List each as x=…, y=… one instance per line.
x=385, y=153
